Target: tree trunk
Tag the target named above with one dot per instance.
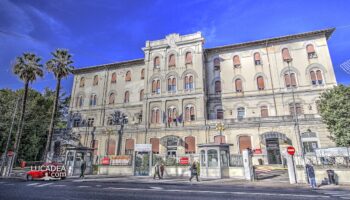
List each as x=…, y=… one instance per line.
x=52, y=123
x=20, y=126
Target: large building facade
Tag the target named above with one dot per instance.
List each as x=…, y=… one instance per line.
x=264, y=93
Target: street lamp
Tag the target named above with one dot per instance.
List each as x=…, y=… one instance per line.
x=119, y=119
x=220, y=127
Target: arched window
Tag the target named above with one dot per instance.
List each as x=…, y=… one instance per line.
x=236, y=61
x=128, y=76
x=188, y=59
x=286, y=55
x=126, y=97
x=111, y=98
x=171, y=84
x=217, y=64
x=95, y=80
x=298, y=109
x=190, y=113
x=142, y=74
x=264, y=112
x=155, y=116
x=114, y=77
x=110, y=147
x=155, y=145
x=238, y=85
x=141, y=95
x=244, y=143
x=189, y=82
x=158, y=87
x=82, y=82
x=316, y=77
x=156, y=62
x=154, y=86
x=257, y=58
x=217, y=87
x=290, y=80
x=172, y=62
x=310, y=51
x=240, y=112
x=260, y=83
x=190, y=144
x=220, y=114
x=93, y=100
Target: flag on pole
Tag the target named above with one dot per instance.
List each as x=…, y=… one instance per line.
x=179, y=118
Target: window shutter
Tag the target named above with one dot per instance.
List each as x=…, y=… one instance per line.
x=236, y=61
x=172, y=60
x=142, y=73
x=154, y=86
x=190, y=144
x=313, y=77
x=129, y=144
x=287, y=80
x=155, y=145
x=111, y=98
x=261, y=84
x=286, y=55
x=264, y=111
x=216, y=62
x=111, y=147
x=128, y=76
x=310, y=48
x=158, y=84
x=293, y=80
x=244, y=143
x=187, y=114
x=95, y=80
x=191, y=79
x=157, y=116
x=257, y=56
x=188, y=58
x=319, y=75
x=141, y=94
x=238, y=83
x=218, y=86
x=114, y=77
x=174, y=82
x=156, y=61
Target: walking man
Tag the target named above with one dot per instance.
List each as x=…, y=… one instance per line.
x=194, y=171
x=156, y=171
x=82, y=167
x=311, y=174
x=162, y=170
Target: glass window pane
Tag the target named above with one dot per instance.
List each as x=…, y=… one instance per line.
x=212, y=158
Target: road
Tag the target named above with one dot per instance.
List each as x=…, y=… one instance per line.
x=75, y=190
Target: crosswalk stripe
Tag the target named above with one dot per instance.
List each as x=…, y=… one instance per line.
x=32, y=184
x=83, y=186
x=59, y=185
x=43, y=185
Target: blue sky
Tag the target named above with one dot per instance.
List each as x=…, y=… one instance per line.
x=98, y=32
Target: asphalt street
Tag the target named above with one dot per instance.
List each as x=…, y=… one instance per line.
x=76, y=189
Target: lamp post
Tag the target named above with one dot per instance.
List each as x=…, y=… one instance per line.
x=119, y=119
x=220, y=127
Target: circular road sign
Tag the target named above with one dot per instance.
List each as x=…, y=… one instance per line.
x=291, y=150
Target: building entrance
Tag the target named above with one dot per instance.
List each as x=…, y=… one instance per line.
x=273, y=151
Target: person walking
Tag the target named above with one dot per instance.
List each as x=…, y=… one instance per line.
x=311, y=174
x=194, y=171
x=82, y=168
x=156, y=171
x=162, y=170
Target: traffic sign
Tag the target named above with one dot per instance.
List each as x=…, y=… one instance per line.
x=291, y=150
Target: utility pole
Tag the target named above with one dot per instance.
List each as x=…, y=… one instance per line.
x=4, y=155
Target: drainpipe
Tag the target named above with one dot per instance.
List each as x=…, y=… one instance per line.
x=272, y=86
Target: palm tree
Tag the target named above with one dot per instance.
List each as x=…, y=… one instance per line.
x=27, y=67
x=61, y=67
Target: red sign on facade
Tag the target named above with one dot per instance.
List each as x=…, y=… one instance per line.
x=105, y=161
x=291, y=150
x=257, y=151
x=184, y=161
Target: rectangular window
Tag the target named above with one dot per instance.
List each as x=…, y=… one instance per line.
x=76, y=123
x=91, y=122
x=309, y=147
x=219, y=114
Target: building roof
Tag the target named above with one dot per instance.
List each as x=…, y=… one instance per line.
x=327, y=32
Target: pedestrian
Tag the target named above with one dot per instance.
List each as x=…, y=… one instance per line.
x=194, y=171
x=82, y=168
x=156, y=171
x=162, y=170
x=311, y=175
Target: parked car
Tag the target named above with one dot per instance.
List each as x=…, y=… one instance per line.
x=47, y=171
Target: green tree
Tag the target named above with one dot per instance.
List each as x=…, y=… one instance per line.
x=61, y=67
x=334, y=108
x=27, y=67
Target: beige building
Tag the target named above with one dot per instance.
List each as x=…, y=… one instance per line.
x=263, y=92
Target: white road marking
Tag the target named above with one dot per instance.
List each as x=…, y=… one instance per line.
x=32, y=184
x=43, y=185
x=223, y=192
x=59, y=185
x=156, y=188
x=9, y=184
x=83, y=186
x=98, y=185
